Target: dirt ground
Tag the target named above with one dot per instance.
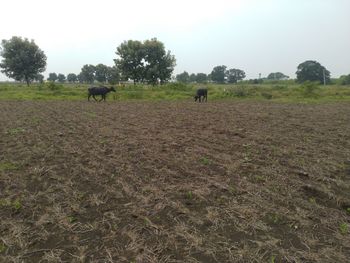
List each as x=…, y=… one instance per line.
x=174, y=182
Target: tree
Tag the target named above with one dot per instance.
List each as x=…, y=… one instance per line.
x=131, y=60
x=193, y=77
x=39, y=77
x=71, y=77
x=183, y=77
x=87, y=74
x=159, y=64
x=61, y=78
x=277, y=76
x=218, y=74
x=147, y=61
x=234, y=75
x=312, y=71
x=113, y=75
x=52, y=77
x=344, y=80
x=201, y=78
x=22, y=60
x=101, y=73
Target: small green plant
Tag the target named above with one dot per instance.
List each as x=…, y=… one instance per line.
x=72, y=219
x=240, y=92
x=348, y=210
x=272, y=259
x=15, y=131
x=7, y=166
x=204, y=161
x=17, y=204
x=189, y=195
x=2, y=247
x=344, y=228
x=312, y=200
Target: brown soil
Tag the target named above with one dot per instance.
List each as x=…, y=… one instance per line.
x=174, y=182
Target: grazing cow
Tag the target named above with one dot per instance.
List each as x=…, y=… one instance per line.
x=201, y=93
x=99, y=91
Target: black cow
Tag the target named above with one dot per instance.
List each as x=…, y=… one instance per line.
x=99, y=91
x=201, y=93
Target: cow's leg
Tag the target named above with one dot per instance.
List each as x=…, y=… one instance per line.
x=101, y=98
x=94, y=97
x=89, y=97
x=206, y=98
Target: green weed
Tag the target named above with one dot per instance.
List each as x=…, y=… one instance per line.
x=344, y=228
x=204, y=161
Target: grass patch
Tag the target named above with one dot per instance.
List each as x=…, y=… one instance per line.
x=288, y=91
x=7, y=166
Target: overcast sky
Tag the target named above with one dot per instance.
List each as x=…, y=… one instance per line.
x=258, y=36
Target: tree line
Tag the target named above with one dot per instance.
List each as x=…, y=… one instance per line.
x=143, y=62
x=140, y=61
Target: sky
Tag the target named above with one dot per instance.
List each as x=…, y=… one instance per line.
x=257, y=36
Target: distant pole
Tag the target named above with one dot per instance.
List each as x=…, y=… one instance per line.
x=324, y=78
x=259, y=75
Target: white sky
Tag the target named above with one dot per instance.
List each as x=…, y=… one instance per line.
x=258, y=36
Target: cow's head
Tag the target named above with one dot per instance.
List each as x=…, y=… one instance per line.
x=112, y=89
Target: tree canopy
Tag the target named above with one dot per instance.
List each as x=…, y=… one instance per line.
x=87, y=74
x=234, y=75
x=311, y=70
x=277, y=76
x=145, y=62
x=22, y=60
x=218, y=74
x=183, y=77
x=52, y=77
x=61, y=78
x=71, y=77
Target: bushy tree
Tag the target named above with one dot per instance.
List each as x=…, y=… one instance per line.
x=39, y=78
x=131, y=60
x=344, y=80
x=277, y=76
x=218, y=74
x=71, y=77
x=183, y=77
x=22, y=60
x=52, y=77
x=87, y=74
x=312, y=71
x=113, y=75
x=234, y=75
x=61, y=78
x=147, y=61
x=193, y=77
x=201, y=78
x=101, y=73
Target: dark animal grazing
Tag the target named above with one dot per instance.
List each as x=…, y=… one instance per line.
x=93, y=91
x=201, y=93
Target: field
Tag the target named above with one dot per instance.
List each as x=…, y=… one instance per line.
x=141, y=181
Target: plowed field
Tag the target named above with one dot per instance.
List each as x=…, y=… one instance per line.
x=174, y=182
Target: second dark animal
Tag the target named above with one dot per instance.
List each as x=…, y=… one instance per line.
x=93, y=91
x=201, y=93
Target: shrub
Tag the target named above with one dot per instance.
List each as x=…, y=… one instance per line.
x=309, y=89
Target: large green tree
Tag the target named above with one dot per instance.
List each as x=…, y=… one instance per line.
x=101, y=73
x=277, y=76
x=201, y=78
x=113, y=75
x=131, y=60
x=234, y=75
x=145, y=62
x=311, y=70
x=87, y=74
x=52, y=77
x=218, y=74
x=61, y=78
x=71, y=77
x=159, y=63
x=22, y=60
x=183, y=77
